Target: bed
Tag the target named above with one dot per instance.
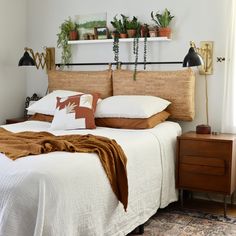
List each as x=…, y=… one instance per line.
x=63, y=193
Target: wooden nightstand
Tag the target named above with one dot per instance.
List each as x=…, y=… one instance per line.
x=16, y=120
x=206, y=163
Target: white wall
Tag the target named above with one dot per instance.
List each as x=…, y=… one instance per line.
x=198, y=21
x=12, y=78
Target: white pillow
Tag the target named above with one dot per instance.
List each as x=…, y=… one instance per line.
x=47, y=104
x=28, y=112
x=130, y=106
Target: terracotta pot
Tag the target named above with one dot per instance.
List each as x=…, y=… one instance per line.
x=164, y=32
x=123, y=35
x=115, y=35
x=73, y=35
x=131, y=33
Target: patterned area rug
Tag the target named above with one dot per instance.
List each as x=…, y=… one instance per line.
x=180, y=222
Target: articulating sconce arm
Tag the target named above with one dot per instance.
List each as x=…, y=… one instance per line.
x=43, y=59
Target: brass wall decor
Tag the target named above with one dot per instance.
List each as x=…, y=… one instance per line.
x=206, y=52
x=43, y=59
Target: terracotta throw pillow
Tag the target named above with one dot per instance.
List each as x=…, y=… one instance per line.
x=41, y=117
x=133, y=123
x=75, y=112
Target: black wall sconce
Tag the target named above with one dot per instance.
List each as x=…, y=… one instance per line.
x=43, y=59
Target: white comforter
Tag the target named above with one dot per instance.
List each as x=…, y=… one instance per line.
x=68, y=194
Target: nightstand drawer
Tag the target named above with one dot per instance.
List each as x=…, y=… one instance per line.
x=203, y=173
x=204, y=182
x=206, y=148
x=202, y=165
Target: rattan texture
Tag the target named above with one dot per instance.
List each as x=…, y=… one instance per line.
x=176, y=86
x=81, y=81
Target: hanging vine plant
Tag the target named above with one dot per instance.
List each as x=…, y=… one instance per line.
x=116, y=50
x=144, y=52
x=144, y=34
x=135, y=52
x=63, y=37
x=140, y=31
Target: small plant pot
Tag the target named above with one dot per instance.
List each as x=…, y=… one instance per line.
x=122, y=35
x=73, y=35
x=115, y=35
x=131, y=33
x=165, y=32
x=153, y=33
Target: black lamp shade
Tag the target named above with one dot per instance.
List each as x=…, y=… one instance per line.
x=26, y=60
x=192, y=59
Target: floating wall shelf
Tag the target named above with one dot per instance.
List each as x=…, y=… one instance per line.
x=150, y=39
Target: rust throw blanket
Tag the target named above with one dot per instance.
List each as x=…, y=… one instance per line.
x=111, y=155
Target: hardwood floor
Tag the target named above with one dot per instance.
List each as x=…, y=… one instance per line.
x=209, y=206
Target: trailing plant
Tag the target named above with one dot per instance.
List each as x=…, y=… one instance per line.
x=63, y=37
x=120, y=24
x=144, y=52
x=162, y=20
x=116, y=50
x=135, y=52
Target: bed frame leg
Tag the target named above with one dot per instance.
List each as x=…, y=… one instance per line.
x=138, y=230
x=141, y=229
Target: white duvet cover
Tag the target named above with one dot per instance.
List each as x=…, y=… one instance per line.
x=68, y=194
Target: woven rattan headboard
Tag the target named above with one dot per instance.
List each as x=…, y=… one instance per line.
x=82, y=81
x=175, y=86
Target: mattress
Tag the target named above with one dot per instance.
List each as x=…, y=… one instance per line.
x=68, y=194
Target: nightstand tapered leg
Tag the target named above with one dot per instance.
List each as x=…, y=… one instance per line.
x=225, y=207
x=181, y=192
x=232, y=199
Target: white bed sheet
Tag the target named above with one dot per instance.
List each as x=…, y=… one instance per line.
x=68, y=194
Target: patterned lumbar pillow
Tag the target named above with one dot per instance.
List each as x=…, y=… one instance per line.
x=75, y=112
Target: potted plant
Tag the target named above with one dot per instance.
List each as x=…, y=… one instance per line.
x=120, y=31
x=68, y=31
x=120, y=25
x=133, y=27
x=163, y=21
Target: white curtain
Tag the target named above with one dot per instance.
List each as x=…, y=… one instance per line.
x=229, y=100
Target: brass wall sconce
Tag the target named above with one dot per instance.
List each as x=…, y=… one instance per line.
x=206, y=52
x=202, y=57
x=44, y=59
